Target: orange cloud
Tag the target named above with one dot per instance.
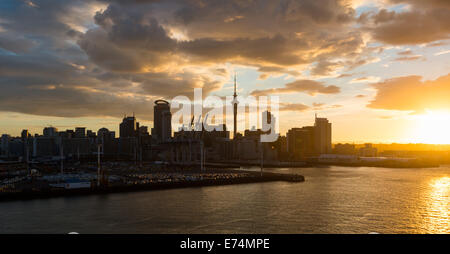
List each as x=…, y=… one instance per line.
x=411, y=94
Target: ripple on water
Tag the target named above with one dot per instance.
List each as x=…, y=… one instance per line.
x=331, y=200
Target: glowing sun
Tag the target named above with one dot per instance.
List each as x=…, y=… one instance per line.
x=432, y=128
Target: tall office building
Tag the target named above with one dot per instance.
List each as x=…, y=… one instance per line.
x=322, y=136
x=103, y=134
x=4, y=145
x=128, y=127
x=162, y=121
x=300, y=142
x=80, y=132
x=50, y=132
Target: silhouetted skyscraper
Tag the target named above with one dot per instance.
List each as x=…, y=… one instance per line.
x=4, y=145
x=50, y=132
x=300, y=142
x=103, y=134
x=322, y=136
x=80, y=132
x=162, y=121
x=128, y=127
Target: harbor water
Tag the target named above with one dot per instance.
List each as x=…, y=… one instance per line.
x=331, y=200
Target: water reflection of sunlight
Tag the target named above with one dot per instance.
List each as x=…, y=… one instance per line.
x=438, y=215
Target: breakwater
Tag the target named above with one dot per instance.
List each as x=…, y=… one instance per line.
x=246, y=178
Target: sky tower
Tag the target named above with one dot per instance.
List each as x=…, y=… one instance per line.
x=235, y=105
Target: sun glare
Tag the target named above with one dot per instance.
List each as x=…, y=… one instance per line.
x=432, y=127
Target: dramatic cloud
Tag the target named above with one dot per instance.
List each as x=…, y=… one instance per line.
x=106, y=57
x=99, y=57
x=423, y=22
x=310, y=87
x=147, y=36
x=411, y=94
x=43, y=71
x=48, y=86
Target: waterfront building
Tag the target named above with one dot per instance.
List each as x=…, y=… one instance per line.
x=300, y=142
x=44, y=146
x=250, y=148
x=90, y=134
x=143, y=131
x=80, y=132
x=103, y=134
x=309, y=141
x=128, y=127
x=4, y=145
x=322, y=136
x=347, y=149
x=281, y=148
x=69, y=134
x=162, y=121
x=127, y=148
x=368, y=151
x=16, y=148
x=215, y=142
x=50, y=132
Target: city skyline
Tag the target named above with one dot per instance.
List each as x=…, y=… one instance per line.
x=225, y=123
x=87, y=63
x=112, y=125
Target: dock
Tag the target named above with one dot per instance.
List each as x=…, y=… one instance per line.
x=192, y=179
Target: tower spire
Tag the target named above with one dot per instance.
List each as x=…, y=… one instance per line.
x=235, y=104
x=235, y=85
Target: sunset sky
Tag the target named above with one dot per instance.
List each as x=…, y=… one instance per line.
x=379, y=70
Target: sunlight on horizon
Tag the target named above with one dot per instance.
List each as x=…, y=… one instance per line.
x=433, y=127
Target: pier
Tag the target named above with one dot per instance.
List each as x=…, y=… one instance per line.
x=153, y=180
